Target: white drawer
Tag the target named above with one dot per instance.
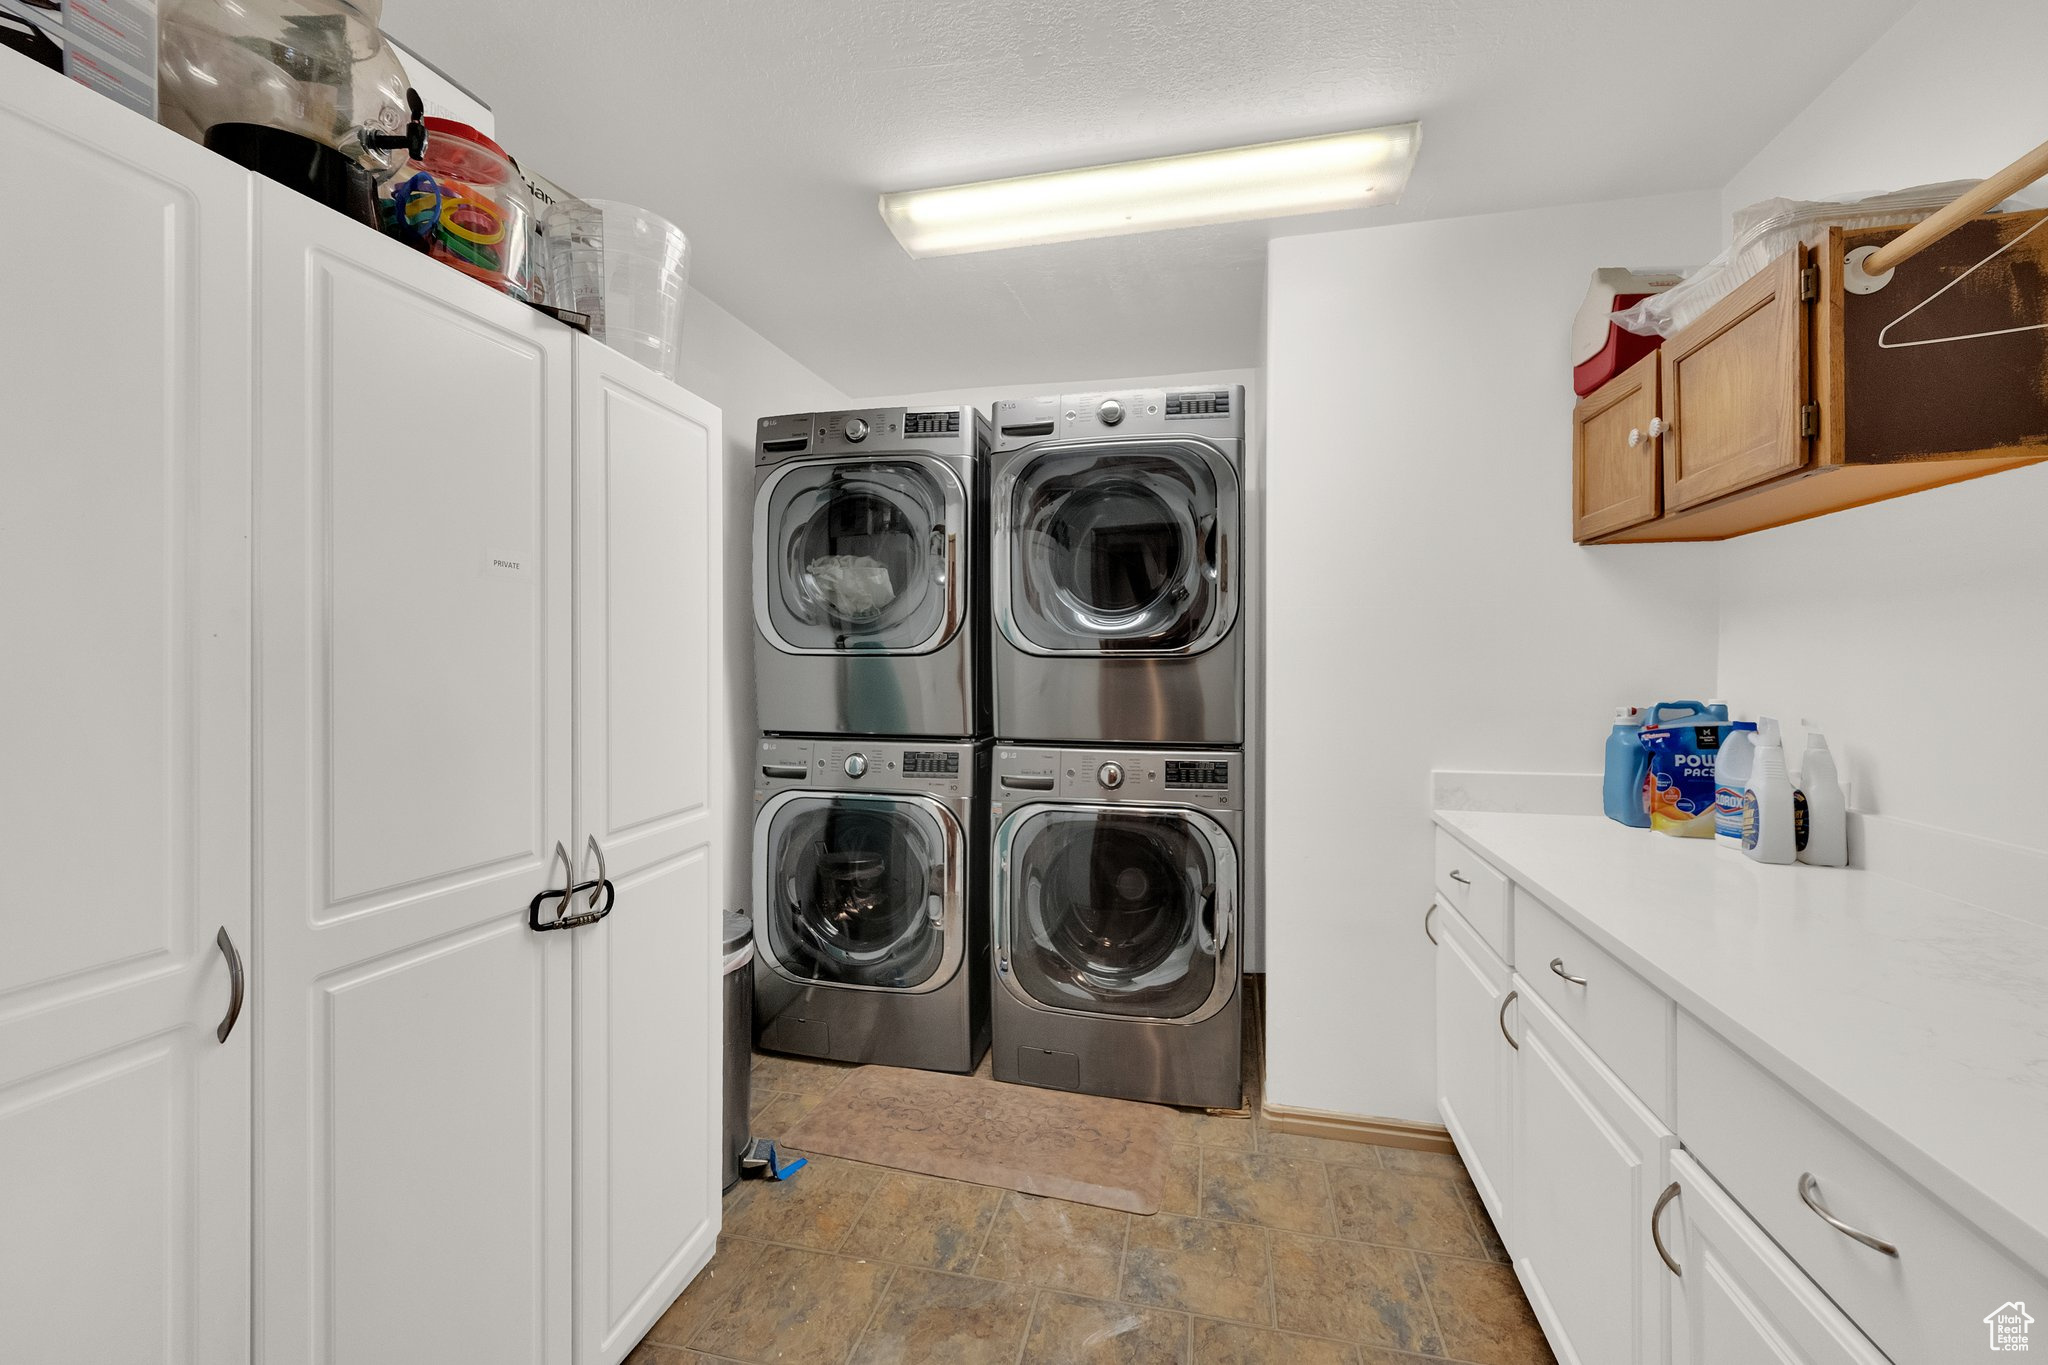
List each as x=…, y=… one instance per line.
x=1477, y=892
x=1621, y=1017
x=1924, y=1306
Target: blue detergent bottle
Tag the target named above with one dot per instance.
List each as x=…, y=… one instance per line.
x=1628, y=765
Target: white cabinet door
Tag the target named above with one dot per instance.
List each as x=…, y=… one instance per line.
x=1474, y=1072
x=1589, y=1158
x=1741, y=1301
x=124, y=815
x=650, y=752
x=413, y=582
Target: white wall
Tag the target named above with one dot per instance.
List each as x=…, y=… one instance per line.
x=1426, y=607
x=1908, y=629
x=748, y=377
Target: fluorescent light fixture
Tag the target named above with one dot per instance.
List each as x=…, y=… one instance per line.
x=1269, y=180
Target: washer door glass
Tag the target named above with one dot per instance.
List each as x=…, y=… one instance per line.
x=1117, y=549
x=861, y=556
x=858, y=891
x=1116, y=912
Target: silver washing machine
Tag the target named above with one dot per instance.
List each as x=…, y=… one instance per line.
x=1116, y=900
x=870, y=572
x=1118, y=567
x=870, y=901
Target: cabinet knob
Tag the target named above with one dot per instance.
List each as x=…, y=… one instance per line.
x=1658, y=426
x=1635, y=437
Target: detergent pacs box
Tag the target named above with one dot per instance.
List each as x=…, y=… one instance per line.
x=1680, y=785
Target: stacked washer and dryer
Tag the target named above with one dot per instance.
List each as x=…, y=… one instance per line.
x=871, y=790
x=1080, y=562
x=1118, y=654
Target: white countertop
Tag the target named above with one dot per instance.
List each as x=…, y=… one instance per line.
x=1918, y=1023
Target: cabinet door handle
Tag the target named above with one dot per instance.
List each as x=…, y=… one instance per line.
x=1425, y=922
x=1809, y=1195
x=603, y=882
x=235, y=983
x=1656, y=1237
x=1635, y=437
x=1460, y=878
x=1507, y=1000
x=1557, y=965
x=1658, y=426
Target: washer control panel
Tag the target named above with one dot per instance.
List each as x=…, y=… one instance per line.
x=862, y=763
x=1212, y=413
x=1212, y=779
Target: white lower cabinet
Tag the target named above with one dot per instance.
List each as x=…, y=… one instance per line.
x=1629, y=1250
x=1741, y=1301
x=1474, y=1071
x=1589, y=1163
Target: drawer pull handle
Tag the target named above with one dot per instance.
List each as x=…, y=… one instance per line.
x=1809, y=1194
x=1425, y=922
x=1507, y=1000
x=1557, y=965
x=1656, y=1237
x=1460, y=878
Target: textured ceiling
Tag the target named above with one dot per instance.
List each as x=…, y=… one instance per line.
x=765, y=128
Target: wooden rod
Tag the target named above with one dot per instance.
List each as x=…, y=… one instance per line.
x=1966, y=206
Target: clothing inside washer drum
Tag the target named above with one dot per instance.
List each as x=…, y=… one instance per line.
x=859, y=901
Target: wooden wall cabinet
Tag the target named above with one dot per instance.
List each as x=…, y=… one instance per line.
x=1794, y=396
x=1617, y=482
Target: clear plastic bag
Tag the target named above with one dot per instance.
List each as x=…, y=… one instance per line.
x=1767, y=230
x=854, y=586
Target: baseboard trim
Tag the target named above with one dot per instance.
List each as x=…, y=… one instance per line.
x=1420, y=1137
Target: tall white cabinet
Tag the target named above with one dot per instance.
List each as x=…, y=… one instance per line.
x=124, y=752
x=648, y=758
x=356, y=606
x=414, y=567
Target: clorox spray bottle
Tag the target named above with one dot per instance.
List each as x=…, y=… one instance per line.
x=1770, y=832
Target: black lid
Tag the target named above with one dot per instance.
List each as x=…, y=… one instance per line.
x=312, y=168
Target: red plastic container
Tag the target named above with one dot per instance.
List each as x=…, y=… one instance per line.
x=466, y=205
x=1622, y=350
x=1601, y=350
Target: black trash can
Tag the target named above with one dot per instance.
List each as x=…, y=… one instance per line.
x=739, y=1041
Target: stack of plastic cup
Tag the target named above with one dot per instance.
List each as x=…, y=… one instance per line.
x=626, y=268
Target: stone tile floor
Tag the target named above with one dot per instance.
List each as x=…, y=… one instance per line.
x=1272, y=1249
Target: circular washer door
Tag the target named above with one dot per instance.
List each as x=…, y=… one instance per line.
x=860, y=555
x=860, y=891
x=1119, y=549
x=1118, y=911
